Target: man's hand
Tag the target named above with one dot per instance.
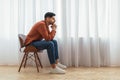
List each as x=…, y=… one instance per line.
x=54, y=26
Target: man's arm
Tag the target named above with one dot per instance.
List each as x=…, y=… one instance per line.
x=43, y=31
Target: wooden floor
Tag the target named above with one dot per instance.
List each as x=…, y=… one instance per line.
x=30, y=73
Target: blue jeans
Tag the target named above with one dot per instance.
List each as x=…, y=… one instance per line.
x=51, y=46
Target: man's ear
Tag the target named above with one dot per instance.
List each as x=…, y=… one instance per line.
x=47, y=18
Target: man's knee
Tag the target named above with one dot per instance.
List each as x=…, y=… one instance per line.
x=51, y=44
x=55, y=41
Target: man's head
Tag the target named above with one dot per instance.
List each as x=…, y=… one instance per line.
x=50, y=17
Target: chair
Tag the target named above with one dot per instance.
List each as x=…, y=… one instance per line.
x=26, y=51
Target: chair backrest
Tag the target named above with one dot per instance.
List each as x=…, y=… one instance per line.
x=22, y=38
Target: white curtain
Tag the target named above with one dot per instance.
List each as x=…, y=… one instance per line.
x=87, y=33
x=8, y=32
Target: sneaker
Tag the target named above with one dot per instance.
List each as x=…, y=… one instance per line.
x=57, y=70
x=61, y=66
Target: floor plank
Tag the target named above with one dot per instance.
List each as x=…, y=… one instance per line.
x=81, y=73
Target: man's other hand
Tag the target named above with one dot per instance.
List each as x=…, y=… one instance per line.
x=54, y=26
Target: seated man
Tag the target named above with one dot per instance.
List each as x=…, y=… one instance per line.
x=42, y=38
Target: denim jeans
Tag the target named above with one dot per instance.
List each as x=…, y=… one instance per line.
x=51, y=46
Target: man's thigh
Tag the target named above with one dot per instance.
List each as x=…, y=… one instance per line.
x=43, y=44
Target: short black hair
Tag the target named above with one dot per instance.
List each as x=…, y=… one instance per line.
x=49, y=14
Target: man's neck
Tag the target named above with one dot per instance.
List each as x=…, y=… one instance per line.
x=47, y=23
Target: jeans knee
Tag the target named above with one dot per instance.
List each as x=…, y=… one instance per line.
x=51, y=44
x=55, y=41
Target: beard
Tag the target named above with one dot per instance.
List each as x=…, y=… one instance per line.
x=51, y=23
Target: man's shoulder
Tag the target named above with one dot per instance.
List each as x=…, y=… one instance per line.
x=41, y=22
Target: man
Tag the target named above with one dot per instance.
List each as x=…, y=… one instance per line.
x=42, y=38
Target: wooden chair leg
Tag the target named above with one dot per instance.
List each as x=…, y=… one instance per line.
x=39, y=60
x=26, y=57
x=36, y=61
x=21, y=62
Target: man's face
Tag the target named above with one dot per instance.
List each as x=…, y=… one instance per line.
x=51, y=20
